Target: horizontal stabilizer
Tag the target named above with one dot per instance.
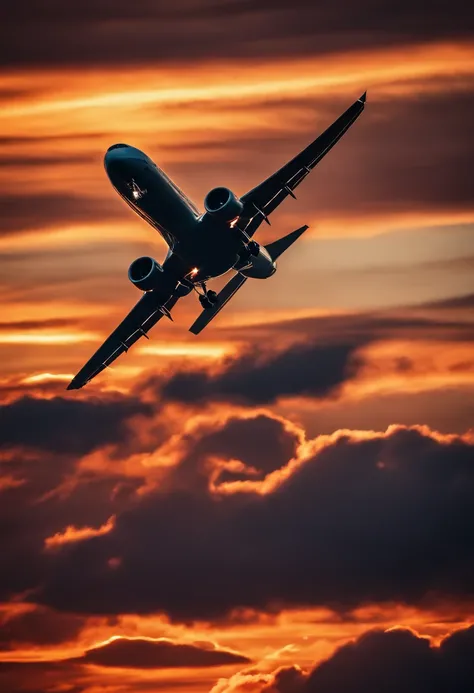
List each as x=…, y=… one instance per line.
x=278, y=247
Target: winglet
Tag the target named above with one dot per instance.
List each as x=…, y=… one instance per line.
x=363, y=98
x=73, y=385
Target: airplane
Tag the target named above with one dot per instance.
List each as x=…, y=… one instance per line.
x=201, y=246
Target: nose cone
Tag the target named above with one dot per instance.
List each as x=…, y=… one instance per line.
x=117, y=153
x=122, y=152
x=123, y=162
x=116, y=146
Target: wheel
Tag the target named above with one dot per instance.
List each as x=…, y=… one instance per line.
x=212, y=296
x=254, y=248
x=205, y=302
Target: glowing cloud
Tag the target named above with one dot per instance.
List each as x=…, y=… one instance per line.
x=73, y=534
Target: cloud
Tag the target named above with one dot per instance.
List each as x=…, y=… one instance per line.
x=389, y=166
x=261, y=442
x=94, y=33
x=390, y=162
x=428, y=322
x=398, y=660
x=35, y=211
x=313, y=370
x=457, y=302
x=21, y=325
x=333, y=532
x=39, y=626
x=137, y=653
x=249, y=447
x=395, y=661
x=46, y=494
x=141, y=653
x=67, y=425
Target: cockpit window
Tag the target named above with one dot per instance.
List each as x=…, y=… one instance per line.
x=117, y=146
x=137, y=192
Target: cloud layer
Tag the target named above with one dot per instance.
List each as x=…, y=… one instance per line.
x=368, y=518
x=396, y=661
x=213, y=30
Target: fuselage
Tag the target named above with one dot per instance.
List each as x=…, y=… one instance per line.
x=196, y=240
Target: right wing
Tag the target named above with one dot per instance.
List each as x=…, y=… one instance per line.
x=223, y=296
x=147, y=312
x=262, y=200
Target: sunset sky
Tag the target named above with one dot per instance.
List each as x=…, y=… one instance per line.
x=283, y=504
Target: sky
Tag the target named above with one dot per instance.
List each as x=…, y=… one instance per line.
x=282, y=504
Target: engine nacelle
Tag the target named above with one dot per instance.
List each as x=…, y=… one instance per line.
x=223, y=204
x=146, y=274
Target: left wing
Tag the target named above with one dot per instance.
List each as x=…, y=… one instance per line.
x=223, y=297
x=262, y=200
x=147, y=312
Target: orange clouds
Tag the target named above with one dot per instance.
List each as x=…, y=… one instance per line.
x=245, y=495
x=118, y=90
x=72, y=534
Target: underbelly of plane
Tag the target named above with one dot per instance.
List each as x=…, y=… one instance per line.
x=210, y=259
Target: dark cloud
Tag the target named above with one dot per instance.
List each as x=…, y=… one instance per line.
x=153, y=654
x=401, y=161
x=34, y=140
x=67, y=425
x=54, y=323
x=129, y=653
x=35, y=211
x=330, y=355
x=96, y=32
x=51, y=435
x=396, y=661
x=35, y=509
x=461, y=302
x=37, y=677
x=261, y=442
x=435, y=322
x=313, y=370
x=40, y=626
x=88, y=271
x=383, y=518
x=31, y=161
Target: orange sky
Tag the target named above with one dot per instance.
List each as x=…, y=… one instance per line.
x=130, y=561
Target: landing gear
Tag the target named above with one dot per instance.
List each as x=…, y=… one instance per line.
x=205, y=302
x=208, y=298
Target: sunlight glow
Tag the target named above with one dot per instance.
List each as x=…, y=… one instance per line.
x=201, y=350
x=42, y=377
x=46, y=338
x=264, y=80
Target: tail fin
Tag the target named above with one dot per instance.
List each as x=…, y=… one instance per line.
x=278, y=247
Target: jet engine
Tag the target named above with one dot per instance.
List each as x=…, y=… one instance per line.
x=146, y=274
x=223, y=204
